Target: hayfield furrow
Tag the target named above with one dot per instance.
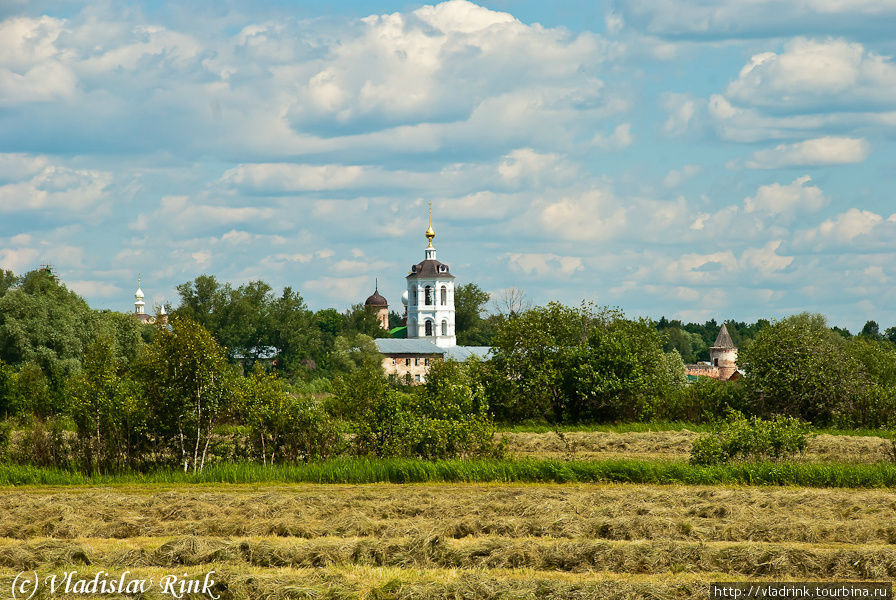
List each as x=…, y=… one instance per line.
x=608, y=512
x=811, y=561
x=392, y=583
x=433, y=541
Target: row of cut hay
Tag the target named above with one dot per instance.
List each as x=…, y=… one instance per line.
x=604, y=511
x=384, y=583
x=676, y=444
x=364, y=470
x=576, y=555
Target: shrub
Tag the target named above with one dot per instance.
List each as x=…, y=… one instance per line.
x=704, y=401
x=750, y=439
x=445, y=419
x=42, y=443
x=286, y=427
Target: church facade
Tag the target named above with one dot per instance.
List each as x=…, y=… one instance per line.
x=429, y=317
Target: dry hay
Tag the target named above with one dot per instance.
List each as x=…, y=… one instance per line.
x=455, y=541
x=611, y=512
x=596, y=445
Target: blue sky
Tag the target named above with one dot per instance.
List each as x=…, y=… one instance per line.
x=730, y=159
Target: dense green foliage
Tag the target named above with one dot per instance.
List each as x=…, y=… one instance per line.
x=44, y=327
x=251, y=322
x=283, y=426
x=189, y=387
x=741, y=438
x=471, y=324
x=800, y=367
x=445, y=418
x=565, y=364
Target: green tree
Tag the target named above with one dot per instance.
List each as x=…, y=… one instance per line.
x=7, y=390
x=43, y=323
x=190, y=386
x=890, y=334
x=251, y=320
x=203, y=301
x=33, y=394
x=362, y=319
x=245, y=324
x=739, y=437
x=871, y=330
x=294, y=335
x=447, y=418
x=688, y=345
x=622, y=371
x=284, y=427
x=330, y=324
x=469, y=309
x=377, y=409
x=353, y=352
x=876, y=357
x=536, y=351
x=107, y=410
x=125, y=333
x=8, y=279
x=799, y=367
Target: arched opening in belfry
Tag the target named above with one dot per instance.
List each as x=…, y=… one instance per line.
x=427, y=295
x=428, y=327
x=444, y=327
x=444, y=295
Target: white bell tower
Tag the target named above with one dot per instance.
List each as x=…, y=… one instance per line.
x=431, y=297
x=139, y=304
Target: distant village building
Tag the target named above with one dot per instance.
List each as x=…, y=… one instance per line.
x=722, y=363
x=140, y=308
x=429, y=333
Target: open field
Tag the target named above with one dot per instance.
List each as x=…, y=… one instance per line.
x=676, y=445
x=464, y=541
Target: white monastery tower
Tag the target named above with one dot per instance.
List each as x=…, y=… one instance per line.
x=139, y=305
x=431, y=298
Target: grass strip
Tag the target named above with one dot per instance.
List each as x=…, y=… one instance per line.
x=397, y=470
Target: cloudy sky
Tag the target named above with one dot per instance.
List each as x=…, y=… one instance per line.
x=729, y=159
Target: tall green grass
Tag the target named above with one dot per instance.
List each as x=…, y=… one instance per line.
x=361, y=470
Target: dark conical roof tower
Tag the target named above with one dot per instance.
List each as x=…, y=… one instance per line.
x=723, y=340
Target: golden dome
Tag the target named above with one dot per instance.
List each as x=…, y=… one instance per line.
x=429, y=232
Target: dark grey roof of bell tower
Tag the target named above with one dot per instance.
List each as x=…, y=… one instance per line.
x=428, y=269
x=723, y=340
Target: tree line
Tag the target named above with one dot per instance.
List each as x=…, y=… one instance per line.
x=235, y=373
x=244, y=373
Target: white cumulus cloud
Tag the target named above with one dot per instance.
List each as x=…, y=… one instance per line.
x=784, y=200
x=828, y=150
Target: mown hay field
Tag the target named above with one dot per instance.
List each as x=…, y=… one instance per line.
x=452, y=540
x=676, y=445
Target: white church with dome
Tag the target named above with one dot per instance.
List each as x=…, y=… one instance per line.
x=429, y=307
